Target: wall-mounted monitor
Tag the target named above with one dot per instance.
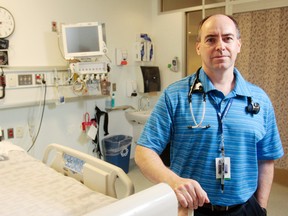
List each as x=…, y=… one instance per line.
x=84, y=40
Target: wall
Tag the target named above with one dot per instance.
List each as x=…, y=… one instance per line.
x=34, y=44
x=33, y=33
x=169, y=31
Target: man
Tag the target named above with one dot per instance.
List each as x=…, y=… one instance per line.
x=223, y=143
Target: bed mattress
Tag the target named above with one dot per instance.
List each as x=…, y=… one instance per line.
x=29, y=187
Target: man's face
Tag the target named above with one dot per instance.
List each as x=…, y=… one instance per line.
x=219, y=44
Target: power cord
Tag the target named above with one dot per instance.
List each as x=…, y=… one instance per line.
x=42, y=114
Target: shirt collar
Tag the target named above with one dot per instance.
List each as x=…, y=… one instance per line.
x=240, y=88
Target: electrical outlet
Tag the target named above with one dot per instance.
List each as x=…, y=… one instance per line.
x=19, y=132
x=54, y=26
x=114, y=87
x=10, y=133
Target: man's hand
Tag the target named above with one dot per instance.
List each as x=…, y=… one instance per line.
x=190, y=194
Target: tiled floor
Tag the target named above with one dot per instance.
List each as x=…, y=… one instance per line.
x=278, y=205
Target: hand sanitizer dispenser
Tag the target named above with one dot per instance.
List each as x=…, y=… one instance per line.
x=148, y=79
x=131, y=88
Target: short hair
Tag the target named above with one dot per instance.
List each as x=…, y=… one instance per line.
x=206, y=18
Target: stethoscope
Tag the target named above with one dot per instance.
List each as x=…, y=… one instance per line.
x=197, y=87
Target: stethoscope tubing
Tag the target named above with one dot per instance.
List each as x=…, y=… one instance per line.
x=197, y=125
x=190, y=94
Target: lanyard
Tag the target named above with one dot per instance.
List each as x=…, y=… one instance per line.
x=221, y=117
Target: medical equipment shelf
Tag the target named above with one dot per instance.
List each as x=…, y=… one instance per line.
x=50, y=101
x=56, y=80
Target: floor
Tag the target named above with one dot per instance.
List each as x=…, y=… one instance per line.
x=277, y=206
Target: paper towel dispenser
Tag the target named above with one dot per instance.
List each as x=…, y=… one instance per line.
x=148, y=79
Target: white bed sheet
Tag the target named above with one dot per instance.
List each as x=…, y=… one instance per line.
x=29, y=187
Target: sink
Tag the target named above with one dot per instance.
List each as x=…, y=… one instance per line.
x=138, y=116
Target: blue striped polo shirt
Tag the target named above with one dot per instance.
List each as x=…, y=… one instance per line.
x=247, y=137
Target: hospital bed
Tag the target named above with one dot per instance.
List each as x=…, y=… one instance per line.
x=69, y=182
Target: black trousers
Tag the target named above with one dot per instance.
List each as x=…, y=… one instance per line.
x=250, y=208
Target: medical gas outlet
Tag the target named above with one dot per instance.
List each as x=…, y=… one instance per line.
x=39, y=79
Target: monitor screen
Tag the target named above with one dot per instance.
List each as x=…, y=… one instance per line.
x=83, y=40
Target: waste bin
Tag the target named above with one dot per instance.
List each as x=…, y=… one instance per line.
x=116, y=150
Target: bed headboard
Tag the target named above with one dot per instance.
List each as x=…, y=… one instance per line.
x=95, y=173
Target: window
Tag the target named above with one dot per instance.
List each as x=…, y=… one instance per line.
x=193, y=61
x=168, y=5
x=194, y=14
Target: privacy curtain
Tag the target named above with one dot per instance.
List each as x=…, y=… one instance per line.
x=264, y=61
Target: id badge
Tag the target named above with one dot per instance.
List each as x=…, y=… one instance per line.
x=227, y=168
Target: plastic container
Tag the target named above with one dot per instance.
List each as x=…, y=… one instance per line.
x=116, y=150
x=113, y=100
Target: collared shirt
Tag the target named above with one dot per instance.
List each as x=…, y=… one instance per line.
x=247, y=137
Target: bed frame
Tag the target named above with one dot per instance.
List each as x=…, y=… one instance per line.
x=94, y=173
x=157, y=200
x=101, y=176
x=30, y=187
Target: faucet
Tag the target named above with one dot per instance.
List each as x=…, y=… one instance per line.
x=144, y=106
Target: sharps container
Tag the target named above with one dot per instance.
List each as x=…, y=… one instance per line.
x=116, y=150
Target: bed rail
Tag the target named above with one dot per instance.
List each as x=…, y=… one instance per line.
x=95, y=173
x=158, y=200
